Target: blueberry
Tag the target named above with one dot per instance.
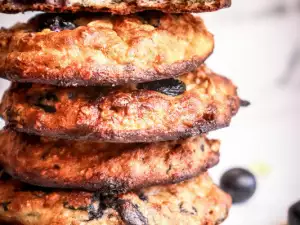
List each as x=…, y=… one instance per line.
x=294, y=214
x=47, y=102
x=143, y=197
x=5, y=205
x=239, y=183
x=170, y=87
x=56, y=22
x=97, y=206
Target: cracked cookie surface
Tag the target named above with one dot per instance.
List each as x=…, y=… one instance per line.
x=83, y=49
x=23, y=204
x=198, y=102
x=193, y=202
x=105, y=167
x=197, y=201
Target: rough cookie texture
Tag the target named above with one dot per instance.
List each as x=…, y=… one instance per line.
x=194, y=202
x=22, y=204
x=109, y=168
x=71, y=49
x=114, y=6
x=203, y=101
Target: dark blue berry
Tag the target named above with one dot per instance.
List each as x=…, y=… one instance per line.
x=170, y=87
x=56, y=22
x=97, y=206
x=239, y=183
x=294, y=214
x=143, y=197
x=46, y=102
x=5, y=205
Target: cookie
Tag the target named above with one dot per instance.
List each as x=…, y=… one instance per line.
x=197, y=201
x=194, y=202
x=22, y=204
x=100, y=49
x=116, y=7
x=198, y=102
x=106, y=167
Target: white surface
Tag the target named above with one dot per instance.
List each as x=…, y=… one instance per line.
x=253, y=47
x=254, y=42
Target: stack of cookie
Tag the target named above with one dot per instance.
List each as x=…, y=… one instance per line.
x=107, y=114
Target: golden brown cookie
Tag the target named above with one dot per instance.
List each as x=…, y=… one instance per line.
x=106, y=167
x=198, y=102
x=113, y=6
x=83, y=49
x=194, y=202
x=22, y=204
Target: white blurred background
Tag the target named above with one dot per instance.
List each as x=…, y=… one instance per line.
x=258, y=47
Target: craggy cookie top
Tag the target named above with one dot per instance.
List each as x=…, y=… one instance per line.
x=113, y=6
x=83, y=49
x=194, y=202
x=106, y=167
x=22, y=204
x=198, y=102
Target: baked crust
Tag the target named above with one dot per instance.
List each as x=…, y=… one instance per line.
x=104, y=49
x=105, y=167
x=115, y=7
x=22, y=204
x=122, y=114
x=193, y=202
x=197, y=202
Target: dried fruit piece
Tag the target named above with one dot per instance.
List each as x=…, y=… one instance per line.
x=56, y=23
x=172, y=87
